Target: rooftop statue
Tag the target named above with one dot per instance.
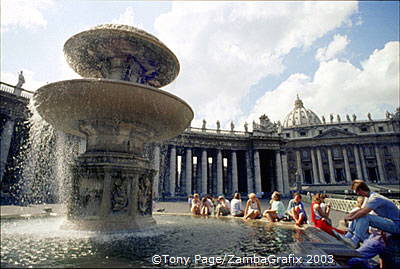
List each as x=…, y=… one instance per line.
x=246, y=127
x=369, y=116
x=265, y=126
x=354, y=117
x=348, y=117
x=232, y=126
x=338, y=118
x=218, y=125
x=323, y=119
x=204, y=124
x=331, y=117
x=21, y=80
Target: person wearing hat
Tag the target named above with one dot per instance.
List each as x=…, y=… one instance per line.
x=223, y=207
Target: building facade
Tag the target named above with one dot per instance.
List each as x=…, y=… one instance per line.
x=273, y=156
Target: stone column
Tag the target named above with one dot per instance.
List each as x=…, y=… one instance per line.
x=363, y=164
x=204, y=166
x=6, y=137
x=172, y=171
x=382, y=176
x=250, y=187
x=257, y=171
x=156, y=166
x=235, y=182
x=299, y=167
x=358, y=163
x=285, y=174
x=188, y=171
x=220, y=179
x=314, y=168
x=395, y=152
x=346, y=164
x=320, y=167
x=331, y=169
x=279, y=177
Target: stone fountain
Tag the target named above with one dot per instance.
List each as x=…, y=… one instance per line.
x=117, y=107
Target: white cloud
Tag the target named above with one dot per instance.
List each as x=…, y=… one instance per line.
x=337, y=46
x=339, y=87
x=23, y=13
x=226, y=47
x=127, y=18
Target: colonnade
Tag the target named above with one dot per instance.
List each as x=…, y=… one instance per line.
x=360, y=163
x=6, y=136
x=216, y=171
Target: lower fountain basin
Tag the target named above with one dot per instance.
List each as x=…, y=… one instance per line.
x=125, y=108
x=41, y=242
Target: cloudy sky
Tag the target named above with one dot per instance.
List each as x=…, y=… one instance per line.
x=239, y=60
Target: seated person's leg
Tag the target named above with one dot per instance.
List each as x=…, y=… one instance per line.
x=369, y=249
x=301, y=218
x=361, y=226
x=217, y=211
x=383, y=224
x=294, y=213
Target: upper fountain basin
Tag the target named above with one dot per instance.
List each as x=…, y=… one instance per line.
x=72, y=104
x=121, y=52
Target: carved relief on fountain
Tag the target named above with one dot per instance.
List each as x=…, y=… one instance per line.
x=145, y=193
x=119, y=195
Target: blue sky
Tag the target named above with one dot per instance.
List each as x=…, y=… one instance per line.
x=238, y=60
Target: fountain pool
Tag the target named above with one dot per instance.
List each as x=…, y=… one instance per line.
x=42, y=243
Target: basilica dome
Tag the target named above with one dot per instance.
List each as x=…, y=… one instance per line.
x=300, y=116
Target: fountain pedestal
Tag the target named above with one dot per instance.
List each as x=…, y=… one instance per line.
x=112, y=182
x=110, y=191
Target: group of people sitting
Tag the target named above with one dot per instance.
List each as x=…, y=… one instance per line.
x=252, y=210
x=370, y=223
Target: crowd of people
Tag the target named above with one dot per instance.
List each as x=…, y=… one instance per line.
x=369, y=224
x=220, y=206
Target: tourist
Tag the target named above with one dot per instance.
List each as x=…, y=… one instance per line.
x=359, y=204
x=319, y=217
x=253, y=207
x=325, y=207
x=237, y=209
x=205, y=208
x=387, y=216
x=211, y=202
x=223, y=207
x=296, y=210
x=190, y=199
x=277, y=211
x=196, y=204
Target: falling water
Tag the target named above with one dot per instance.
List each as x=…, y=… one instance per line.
x=46, y=161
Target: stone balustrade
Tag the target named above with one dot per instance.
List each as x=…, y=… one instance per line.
x=216, y=131
x=15, y=90
x=344, y=205
x=348, y=205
